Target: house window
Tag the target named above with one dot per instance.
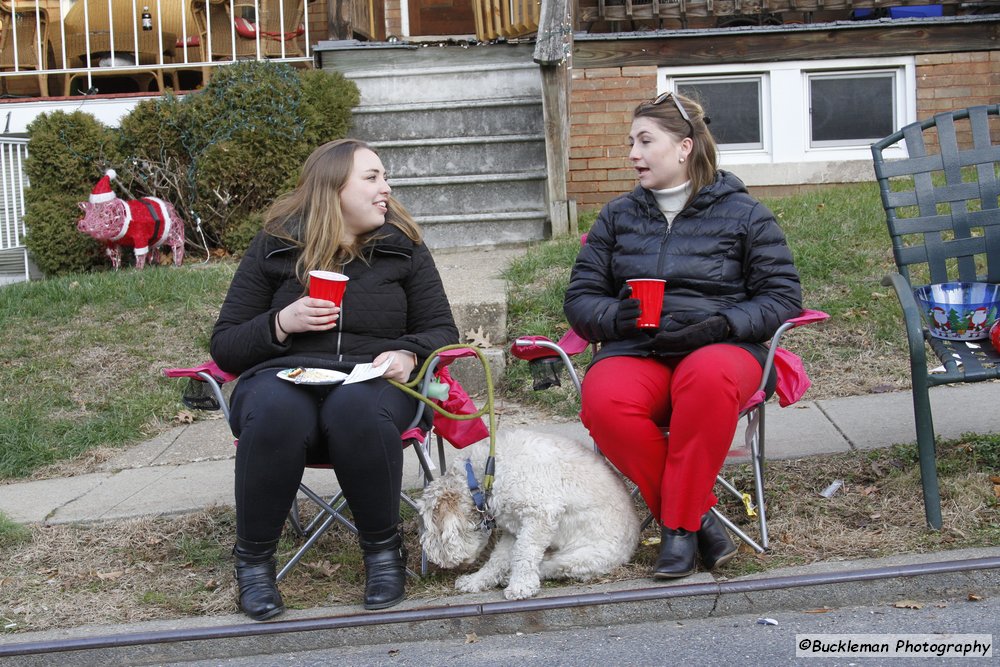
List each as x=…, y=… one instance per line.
x=736, y=106
x=800, y=111
x=846, y=108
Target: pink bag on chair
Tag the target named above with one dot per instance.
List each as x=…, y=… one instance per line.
x=792, y=379
x=459, y=432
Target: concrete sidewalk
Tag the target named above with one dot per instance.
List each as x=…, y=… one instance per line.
x=190, y=467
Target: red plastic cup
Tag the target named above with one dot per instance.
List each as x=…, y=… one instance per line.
x=327, y=285
x=649, y=292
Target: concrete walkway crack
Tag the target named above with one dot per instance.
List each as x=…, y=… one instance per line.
x=850, y=443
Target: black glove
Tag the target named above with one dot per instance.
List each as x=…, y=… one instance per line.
x=627, y=317
x=713, y=330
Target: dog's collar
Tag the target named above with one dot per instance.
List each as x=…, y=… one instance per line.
x=478, y=497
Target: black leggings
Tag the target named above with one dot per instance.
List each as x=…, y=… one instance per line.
x=282, y=426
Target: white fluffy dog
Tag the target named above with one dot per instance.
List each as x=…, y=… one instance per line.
x=560, y=511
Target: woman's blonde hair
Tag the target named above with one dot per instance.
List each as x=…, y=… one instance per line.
x=310, y=217
x=665, y=110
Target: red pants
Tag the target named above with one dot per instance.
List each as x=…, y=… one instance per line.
x=627, y=401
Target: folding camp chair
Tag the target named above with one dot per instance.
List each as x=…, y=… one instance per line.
x=205, y=392
x=942, y=206
x=546, y=358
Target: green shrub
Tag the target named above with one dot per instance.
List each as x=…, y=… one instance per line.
x=328, y=99
x=239, y=233
x=67, y=155
x=224, y=153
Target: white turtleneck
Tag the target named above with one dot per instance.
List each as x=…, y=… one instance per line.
x=671, y=200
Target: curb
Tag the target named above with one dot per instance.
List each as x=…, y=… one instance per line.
x=818, y=587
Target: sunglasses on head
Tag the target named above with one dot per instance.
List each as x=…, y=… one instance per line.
x=677, y=105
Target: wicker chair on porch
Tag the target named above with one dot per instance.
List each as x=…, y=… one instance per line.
x=232, y=31
x=24, y=42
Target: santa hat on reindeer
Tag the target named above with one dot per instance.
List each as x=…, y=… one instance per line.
x=143, y=224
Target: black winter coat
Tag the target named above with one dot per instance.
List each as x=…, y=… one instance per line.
x=394, y=301
x=724, y=255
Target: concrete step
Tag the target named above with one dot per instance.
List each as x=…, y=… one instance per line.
x=471, y=118
x=456, y=84
x=486, y=229
x=473, y=280
x=355, y=56
x=450, y=156
x=469, y=194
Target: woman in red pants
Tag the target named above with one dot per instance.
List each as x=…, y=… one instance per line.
x=730, y=283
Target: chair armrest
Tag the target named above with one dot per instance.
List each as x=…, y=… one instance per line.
x=807, y=316
x=198, y=373
x=535, y=348
x=911, y=318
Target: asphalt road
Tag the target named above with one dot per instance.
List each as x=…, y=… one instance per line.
x=741, y=640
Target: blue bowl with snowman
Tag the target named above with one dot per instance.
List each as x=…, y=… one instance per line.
x=959, y=311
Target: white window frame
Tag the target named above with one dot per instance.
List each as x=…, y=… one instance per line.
x=898, y=94
x=765, y=100
x=785, y=105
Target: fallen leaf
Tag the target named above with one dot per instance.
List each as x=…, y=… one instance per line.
x=995, y=479
x=908, y=604
x=996, y=490
x=110, y=576
x=471, y=638
x=183, y=417
x=869, y=490
x=478, y=338
x=393, y=651
x=324, y=568
x=974, y=598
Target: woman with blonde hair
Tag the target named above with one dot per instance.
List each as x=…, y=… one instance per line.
x=340, y=217
x=730, y=283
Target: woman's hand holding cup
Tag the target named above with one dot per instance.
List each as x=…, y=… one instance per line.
x=307, y=314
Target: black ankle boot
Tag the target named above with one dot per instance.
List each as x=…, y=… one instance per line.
x=385, y=571
x=677, y=551
x=255, y=575
x=714, y=544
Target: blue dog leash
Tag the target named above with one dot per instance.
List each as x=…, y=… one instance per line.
x=487, y=521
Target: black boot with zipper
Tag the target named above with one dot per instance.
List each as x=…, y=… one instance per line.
x=385, y=571
x=256, y=578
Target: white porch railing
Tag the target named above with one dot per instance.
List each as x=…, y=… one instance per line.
x=52, y=52
x=13, y=254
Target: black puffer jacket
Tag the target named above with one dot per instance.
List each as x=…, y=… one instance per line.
x=723, y=255
x=394, y=301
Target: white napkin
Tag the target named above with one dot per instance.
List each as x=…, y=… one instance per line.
x=363, y=372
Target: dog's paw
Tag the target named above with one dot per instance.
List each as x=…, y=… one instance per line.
x=470, y=583
x=522, y=590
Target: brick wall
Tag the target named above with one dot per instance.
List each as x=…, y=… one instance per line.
x=601, y=107
x=393, y=18
x=957, y=80
x=602, y=101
